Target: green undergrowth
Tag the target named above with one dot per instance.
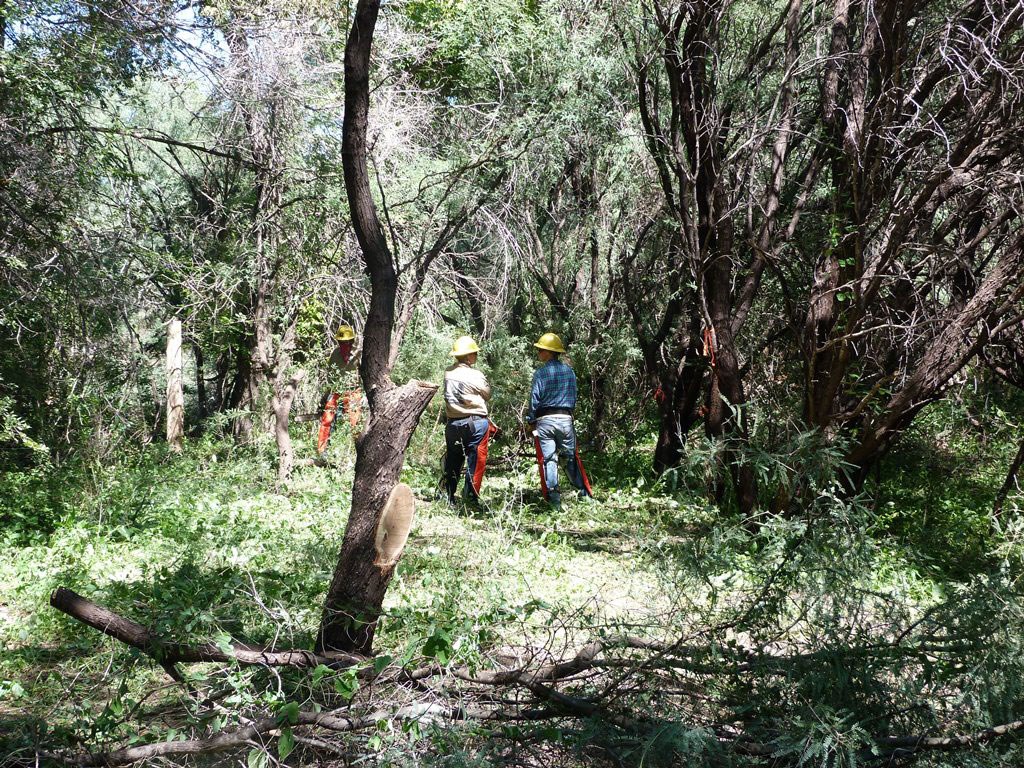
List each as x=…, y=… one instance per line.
x=208, y=546
x=934, y=493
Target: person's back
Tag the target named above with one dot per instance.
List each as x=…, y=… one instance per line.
x=553, y=391
x=552, y=402
x=468, y=429
x=466, y=391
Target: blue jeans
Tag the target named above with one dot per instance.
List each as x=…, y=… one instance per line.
x=465, y=442
x=557, y=436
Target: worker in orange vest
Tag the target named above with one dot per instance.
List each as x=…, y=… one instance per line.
x=344, y=363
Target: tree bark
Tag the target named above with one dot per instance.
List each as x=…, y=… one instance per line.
x=197, y=352
x=678, y=392
x=958, y=342
x=165, y=653
x=357, y=590
x=282, y=406
x=356, y=593
x=1010, y=482
x=175, y=393
x=726, y=420
x=244, y=393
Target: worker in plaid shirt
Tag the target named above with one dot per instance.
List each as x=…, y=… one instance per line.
x=552, y=401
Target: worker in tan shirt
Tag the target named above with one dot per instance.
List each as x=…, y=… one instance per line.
x=468, y=430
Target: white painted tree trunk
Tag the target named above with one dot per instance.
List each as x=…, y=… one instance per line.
x=175, y=394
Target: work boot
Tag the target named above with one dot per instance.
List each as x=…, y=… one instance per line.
x=473, y=502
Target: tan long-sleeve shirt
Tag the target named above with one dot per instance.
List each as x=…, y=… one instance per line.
x=466, y=392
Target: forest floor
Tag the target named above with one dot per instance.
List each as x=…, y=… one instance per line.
x=207, y=545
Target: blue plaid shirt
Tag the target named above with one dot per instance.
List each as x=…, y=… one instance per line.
x=554, y=386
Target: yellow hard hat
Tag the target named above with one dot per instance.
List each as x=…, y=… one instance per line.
x=345, y=333
x=464, y=345
x=550, y=342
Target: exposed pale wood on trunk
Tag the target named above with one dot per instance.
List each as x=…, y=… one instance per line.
x=393, y=527
x=175, y=391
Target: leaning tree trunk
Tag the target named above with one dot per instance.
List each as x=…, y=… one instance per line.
x=963, y=334
x=175, y=393
x=361, y=579
x=363, y=573
x=1010, y=483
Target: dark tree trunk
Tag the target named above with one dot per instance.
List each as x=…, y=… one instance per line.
x=357, y=590
x=687, y=120
x=1010, y=482
x=197, y=352
x=678, y=392
x=469, y=292
x=958, y=342
x=668, y=451
x=356, y=594
x=599, y=395
x=517, y=316
x=157, y=403
x=221, y=389
x=726, y=419
x=243, y=395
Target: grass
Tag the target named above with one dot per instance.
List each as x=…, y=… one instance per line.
x=207, y=544
x=198, y=545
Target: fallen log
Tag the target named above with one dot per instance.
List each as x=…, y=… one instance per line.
x=884, y=749
x=168, y=654
x=246, y=734
x=223, y=741
x=897, y=746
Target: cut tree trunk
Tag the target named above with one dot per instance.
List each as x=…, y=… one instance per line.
x=175, y=392
x=356, y=594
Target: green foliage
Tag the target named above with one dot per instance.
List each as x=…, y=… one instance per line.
x=31, y=504
x=845, y=638
x=947, y=526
